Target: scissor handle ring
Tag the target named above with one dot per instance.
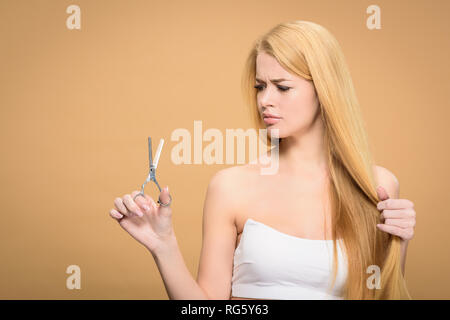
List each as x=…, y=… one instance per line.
x=139, y=194
x=159, y=200
x=165, y=204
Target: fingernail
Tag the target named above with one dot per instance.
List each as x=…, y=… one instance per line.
x=167, y=188
x=116, y=214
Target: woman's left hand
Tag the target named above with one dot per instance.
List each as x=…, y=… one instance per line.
x=398, y=215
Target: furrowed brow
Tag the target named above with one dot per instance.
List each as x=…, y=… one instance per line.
x=273, y=80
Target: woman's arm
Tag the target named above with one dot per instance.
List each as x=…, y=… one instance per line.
x=219, y=240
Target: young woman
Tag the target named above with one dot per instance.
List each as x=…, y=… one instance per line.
x=313, y=230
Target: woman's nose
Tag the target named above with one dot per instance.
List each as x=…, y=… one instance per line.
x=266, y=97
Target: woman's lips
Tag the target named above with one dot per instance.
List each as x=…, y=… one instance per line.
x=271, y=120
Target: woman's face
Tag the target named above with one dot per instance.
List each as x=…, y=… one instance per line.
x=293, y=100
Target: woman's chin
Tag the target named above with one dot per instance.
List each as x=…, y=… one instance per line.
x=274, y=132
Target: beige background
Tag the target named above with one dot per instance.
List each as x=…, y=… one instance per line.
x=77, y=107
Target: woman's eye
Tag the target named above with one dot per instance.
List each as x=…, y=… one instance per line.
x=281, y=88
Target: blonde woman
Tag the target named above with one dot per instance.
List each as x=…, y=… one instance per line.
x=319, y=228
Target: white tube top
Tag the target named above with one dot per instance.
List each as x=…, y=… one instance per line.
x=269, y=264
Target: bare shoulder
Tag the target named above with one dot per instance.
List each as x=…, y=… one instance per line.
x=227, y=180
x=232, y=178
x=387, y=180
x=228, y=185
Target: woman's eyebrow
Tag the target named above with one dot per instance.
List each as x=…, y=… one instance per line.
x=273, y=80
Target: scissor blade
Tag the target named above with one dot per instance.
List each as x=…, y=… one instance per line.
x=150, y=159
x=158, y=153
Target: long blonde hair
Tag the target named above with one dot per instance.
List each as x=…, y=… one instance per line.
x=310, y=51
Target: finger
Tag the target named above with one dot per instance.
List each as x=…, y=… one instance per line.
x=140, y=200
x=402, y=223
x=382, y=193
x=398, y=213
x=132, y=206
x=135, y=193
x=394, y=230
x=405, y=234
x=394, y=204
x=145, y=202
x=146, y=197
x=165, y=198
x=115, y=214
x=118, y=202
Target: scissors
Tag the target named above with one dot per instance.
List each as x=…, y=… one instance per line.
x=152, y=174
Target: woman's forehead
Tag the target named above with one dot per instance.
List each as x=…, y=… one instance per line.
x=267, y=67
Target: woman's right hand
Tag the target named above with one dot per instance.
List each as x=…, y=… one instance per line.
x=144, y=220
